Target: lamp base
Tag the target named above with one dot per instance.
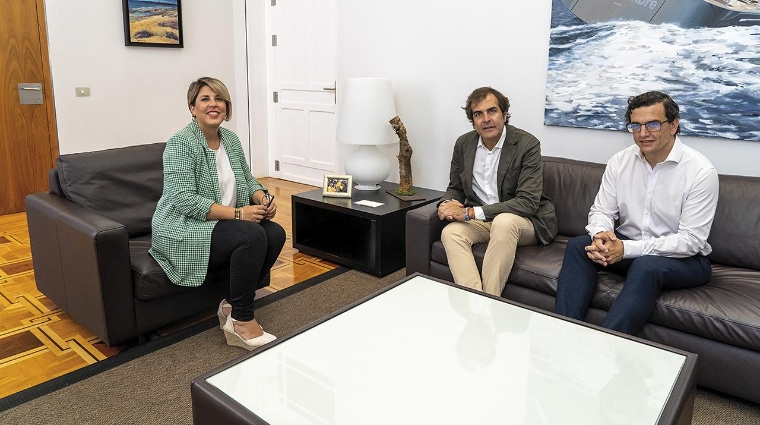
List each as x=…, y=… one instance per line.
x=367, y=187
x=368, y=166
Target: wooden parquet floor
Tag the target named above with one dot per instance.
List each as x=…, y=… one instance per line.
x=39, y=341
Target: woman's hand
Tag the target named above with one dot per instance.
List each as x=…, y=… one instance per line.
x=266, y=200
x=271, y=210
x=254, y=213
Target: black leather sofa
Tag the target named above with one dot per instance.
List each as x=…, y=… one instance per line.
x=720, y=321
x=90, y=237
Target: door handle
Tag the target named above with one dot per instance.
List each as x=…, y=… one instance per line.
x=30, y=93
x=334, y=92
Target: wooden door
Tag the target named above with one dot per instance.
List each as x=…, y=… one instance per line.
x=28, y=142
x=304, y=125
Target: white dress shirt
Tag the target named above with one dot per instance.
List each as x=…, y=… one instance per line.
x=666, y=210
x=484, y=171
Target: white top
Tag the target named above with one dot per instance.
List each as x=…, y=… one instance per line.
x=429, y=353
x=227, y=184
x=666, y=210
x=484, y=173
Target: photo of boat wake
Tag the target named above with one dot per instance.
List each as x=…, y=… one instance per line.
x=712, y=72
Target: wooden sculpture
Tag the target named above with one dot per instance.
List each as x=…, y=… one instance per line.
x=404, y=159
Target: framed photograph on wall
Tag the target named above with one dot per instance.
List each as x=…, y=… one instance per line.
x=337, y=185
x=152, y=23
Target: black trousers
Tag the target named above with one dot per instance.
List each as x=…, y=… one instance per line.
x=249, y=250
x=645, y=278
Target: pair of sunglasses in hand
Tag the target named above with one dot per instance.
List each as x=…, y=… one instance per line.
x=267, y=199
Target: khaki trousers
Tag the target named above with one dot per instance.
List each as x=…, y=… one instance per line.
x=504, y=234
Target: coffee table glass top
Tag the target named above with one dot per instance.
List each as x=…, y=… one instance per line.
x=427, y=352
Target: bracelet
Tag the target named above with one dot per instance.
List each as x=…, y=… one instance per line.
x=237, y=213
x=466, y=212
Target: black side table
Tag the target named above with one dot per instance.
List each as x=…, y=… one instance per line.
x=364, y=238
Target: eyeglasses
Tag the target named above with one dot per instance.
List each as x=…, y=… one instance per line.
x=635, y=127
x=267, y=199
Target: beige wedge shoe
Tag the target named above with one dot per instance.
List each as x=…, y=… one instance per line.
x=249, y=344
x=220, y=313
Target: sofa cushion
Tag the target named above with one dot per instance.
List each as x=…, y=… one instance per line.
x=572, y=187
x=734, y=233
x=537, y=267
x=54, y=182
x=150, y=281
x=438, y=253
x=122, y=184
x=725, y=309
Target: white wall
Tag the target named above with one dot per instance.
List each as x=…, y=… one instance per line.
x=436, y=55
x=138, y=94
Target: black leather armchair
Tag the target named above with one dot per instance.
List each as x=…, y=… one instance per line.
x=90, y=237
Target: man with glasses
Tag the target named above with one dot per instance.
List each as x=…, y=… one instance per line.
x=663, y=195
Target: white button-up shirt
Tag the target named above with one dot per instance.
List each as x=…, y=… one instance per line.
x=484, y=171
x=666, y=210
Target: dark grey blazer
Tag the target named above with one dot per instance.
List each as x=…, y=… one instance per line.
x=520, y=176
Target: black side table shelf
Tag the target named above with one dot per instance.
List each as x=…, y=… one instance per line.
x=364, y=238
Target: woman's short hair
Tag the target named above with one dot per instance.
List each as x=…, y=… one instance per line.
x=481, y=93
x=217, y=86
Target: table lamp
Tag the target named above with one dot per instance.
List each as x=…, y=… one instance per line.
x=365, y=112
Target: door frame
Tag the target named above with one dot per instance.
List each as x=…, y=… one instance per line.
x=271, y=68
x=47, y=82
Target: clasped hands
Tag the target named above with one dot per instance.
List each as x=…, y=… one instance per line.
x=605, y=248
x=259, y=212
x=451, y=210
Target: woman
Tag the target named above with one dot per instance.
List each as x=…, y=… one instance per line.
x=213, y=213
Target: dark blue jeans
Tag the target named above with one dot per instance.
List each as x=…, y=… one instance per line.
x=645, y=278
x=249, y=250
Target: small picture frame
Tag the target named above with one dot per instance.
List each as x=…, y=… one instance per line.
x=153, y=23
x=337, y=186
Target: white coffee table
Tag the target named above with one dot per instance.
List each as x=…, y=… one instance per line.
x=428, y=352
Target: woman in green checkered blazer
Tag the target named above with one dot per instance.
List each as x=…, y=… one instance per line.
x=213, y=213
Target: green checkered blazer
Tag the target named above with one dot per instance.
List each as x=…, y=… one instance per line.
x=181, y=233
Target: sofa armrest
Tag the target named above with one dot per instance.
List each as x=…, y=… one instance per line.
x=81, y=262
x=423, y=227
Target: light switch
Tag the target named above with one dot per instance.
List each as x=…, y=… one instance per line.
x=83, y=91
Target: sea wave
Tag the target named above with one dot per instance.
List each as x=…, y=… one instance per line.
x=713, y=74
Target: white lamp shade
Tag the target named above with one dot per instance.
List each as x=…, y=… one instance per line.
x=365, y=112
